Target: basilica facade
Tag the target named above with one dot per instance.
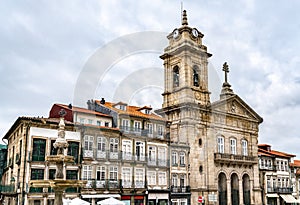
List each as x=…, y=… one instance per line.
x=221, y=137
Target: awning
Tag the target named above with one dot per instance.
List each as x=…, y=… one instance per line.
x=100, y=195
x=272, y=195
x=288, y=198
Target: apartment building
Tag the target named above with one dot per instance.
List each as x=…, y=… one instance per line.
x=276, y=176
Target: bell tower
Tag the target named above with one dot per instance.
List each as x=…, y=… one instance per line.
x=185, y=67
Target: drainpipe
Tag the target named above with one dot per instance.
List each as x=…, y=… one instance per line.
x=24, y=166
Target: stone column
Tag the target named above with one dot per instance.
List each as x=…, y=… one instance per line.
x=229, y=191
x=241, y=193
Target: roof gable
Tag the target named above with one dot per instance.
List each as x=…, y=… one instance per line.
x=235, y=106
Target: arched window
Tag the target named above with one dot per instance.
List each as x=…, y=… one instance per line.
x=235, y=190
x=176, y=76
x=220, y=144
x=195, y=76
x=246, y=189
x=244, y=147
x=222, y=188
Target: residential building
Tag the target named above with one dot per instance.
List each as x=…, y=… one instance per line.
x=29, y=141
x=275, y=176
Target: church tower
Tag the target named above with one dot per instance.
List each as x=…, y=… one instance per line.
x=185, y=63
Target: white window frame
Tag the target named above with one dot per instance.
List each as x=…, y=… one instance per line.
x=151, y=177
x=137, y=126
x=125, y=124
x=150, y=128
x=126, y=177
x=162, y=178
x=139, y=178
x=151, y=153
x=174, y=158
x=88, y=145
x=220, y=142
x=141, y=146
x=162, y=153
x=127, y=149
x=113, y=173
x=174, y=180
x=87, y=172
x=182, y=158
x=244, y=147
x=232, y=146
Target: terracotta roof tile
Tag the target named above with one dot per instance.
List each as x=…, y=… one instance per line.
x=131, y=110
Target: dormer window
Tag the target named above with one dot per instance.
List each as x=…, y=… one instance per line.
x=122, y=107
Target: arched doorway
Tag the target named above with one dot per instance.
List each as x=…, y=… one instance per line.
x=222, y=188
x=246, y=189
x=235, y=200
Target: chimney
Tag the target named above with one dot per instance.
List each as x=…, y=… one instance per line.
x=70, y=106
x=102, y=101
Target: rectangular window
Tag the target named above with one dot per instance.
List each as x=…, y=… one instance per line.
x=174, y=179
x=152, y=153
x=101, y=144
x=162, y=178
x=53, y=150
x=98, y=123
x=233, y=146
x=100, y=173
x=182, y=159
x=87, y=172
x=88, y=145
x=72, y=174
x=162, y=153
x=127, y=149
x=125, y=125
x=151, y=178
x=39, y=149
x=126, y=177
x=106, y=124
x=220, y=144
x=140, y=151
x=160, y=130
x=139, y=178
x=244, y=147
x=174, y=158
x=81, y=120
x=37, y=174
x=150, y=128
x=113, y=173
x=137, y=126
x=52, y=173
x=90, y=122
x=73, y=150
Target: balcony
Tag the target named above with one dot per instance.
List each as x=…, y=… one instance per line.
x=235, y=159
x=180, y=189
x=267, y=168
x=106, y=184
x=7, y=189
x=280, y=190
x=142, y=132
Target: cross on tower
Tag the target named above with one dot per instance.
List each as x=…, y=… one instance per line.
x=226, y=70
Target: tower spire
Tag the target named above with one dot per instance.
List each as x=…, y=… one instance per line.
x=184, y=18
x=226, y=87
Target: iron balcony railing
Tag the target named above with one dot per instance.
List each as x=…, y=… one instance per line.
x=180, y=189
x=280, y=190
x=7, y=188
x=142, y=132
x=109, y=184
x=123, y=156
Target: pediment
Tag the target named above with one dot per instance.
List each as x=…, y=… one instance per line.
x=235, y=106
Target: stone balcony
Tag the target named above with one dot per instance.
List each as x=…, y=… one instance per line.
x=235, y=159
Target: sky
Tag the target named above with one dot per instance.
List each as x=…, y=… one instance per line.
x=49, y=51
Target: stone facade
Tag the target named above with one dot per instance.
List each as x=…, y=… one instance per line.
x=220, y=137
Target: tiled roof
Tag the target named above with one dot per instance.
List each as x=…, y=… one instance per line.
x=83, y=110
x=131, y=110
x=296, y=163
x=273, y=153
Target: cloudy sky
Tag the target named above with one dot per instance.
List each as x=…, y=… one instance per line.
x=46, y=47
